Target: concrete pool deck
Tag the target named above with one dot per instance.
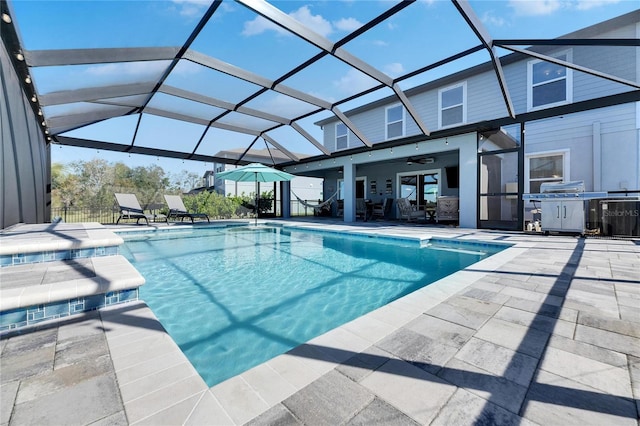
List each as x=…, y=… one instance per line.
x=545, y=332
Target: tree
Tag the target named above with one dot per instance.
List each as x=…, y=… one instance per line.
x=184, y=181
x=95, y=178
x=65, y=187
x=151, y=183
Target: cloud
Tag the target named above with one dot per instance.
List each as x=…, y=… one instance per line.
x=380, y=43
x=394, y=69
x=590, y=4
x=303, y=15
x=260, y=25
x=191, y=8
x=314, y=22
x=489, y=19
x=147, y=68
x=353, y=82
x=347, y=24
x=535, y=7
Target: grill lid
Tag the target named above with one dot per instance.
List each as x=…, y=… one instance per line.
x=562, y=187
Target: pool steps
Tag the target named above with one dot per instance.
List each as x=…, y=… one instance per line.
x=49, y=271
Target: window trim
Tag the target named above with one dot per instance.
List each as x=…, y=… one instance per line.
x=387, y=123
x=345, y=135
x=464, y=104
x=568, y=82
x=566, y=172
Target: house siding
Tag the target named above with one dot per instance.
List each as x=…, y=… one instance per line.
x=484, y=97
x=618, y=153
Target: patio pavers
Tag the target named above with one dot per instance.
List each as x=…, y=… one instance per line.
x=545, y=333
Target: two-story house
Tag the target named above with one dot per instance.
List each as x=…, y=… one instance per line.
x=576, y=117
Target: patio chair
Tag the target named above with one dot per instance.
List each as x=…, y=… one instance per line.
x=382, y=210
x=409, y=211
x=130, y=208
x=361, y=208
x=177, y=210
x=447, y=208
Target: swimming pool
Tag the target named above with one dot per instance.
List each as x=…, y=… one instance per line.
x=235, y=297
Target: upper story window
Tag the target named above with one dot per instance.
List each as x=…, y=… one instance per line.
x=452, y=105
x=549, y=84
x=395, y=122
x=342, y=136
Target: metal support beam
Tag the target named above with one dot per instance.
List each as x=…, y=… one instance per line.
x=573, y=66
x=476, y=25
x=310, y=138
x=351, y=126
x=280, y=147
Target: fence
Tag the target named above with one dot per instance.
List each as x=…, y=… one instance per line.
x=76, y=214
x=109, y=216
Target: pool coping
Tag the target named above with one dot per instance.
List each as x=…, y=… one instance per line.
x=241, y=398
x=157, y=383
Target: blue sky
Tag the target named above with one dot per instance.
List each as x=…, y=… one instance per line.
x=419, y=35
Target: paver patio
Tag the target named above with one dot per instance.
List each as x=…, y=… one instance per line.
x=545, y=332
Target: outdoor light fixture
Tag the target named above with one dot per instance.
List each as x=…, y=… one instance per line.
x=20, y=56
x=34, y=99
x=27, y=80
x=6, y=18
x=40, y=112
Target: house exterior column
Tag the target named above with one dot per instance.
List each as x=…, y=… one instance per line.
x=286, y=199
x=349, y=175
x=468, y=191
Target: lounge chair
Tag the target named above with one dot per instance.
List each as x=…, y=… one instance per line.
x=177, y=210
x=409, y=211
x=130, y=208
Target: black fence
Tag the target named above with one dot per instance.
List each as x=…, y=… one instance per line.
x=75, y=214
x=110, y=216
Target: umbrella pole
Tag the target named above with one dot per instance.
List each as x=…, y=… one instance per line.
x=256, y=205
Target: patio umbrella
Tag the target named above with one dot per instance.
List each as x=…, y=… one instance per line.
x=255, y=172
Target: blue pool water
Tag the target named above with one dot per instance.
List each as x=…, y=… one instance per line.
x=235, y=297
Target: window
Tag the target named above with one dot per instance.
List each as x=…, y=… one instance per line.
x=452, y=105
x=342, y=136
x=548, y=84
x=549, y=167
x=395, y=122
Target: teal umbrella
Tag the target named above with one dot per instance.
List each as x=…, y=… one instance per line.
x=255, y=172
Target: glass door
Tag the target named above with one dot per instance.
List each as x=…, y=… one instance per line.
x=420, y=188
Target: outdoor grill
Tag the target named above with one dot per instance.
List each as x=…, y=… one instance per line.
x=563, y=205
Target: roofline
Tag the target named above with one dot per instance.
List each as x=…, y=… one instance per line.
x=587, y=32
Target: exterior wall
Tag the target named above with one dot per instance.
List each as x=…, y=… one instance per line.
x=25, y=161
x=386, y=164
x=603, y=145
x=484, y=99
